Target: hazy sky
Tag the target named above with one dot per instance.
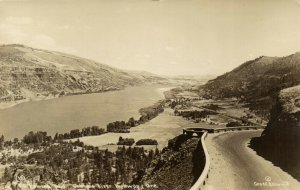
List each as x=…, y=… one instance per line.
x=163, y=37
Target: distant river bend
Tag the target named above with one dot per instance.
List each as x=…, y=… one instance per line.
x=76, y=112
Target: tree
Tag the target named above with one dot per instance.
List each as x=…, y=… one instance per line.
x=131, y=122
x=156, y=151
x=7, y=175
x=86, y=178
x=75, y=133
x=2, y=139
x=1, y=142
x=56, y=137
x=16, y=140
x=151, y=155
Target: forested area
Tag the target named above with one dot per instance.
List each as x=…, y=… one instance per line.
x=45, y=160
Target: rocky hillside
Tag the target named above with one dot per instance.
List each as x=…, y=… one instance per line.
x=257, y=81
x=27, y=73
x=178, y=166
x=280, y=140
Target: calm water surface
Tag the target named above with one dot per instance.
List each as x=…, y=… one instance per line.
x=71, y=112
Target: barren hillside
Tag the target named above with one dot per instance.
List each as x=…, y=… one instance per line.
x=27, y=73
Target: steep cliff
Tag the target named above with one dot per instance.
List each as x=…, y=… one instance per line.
x=280, y=141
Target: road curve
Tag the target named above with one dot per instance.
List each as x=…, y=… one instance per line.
x=235, y=166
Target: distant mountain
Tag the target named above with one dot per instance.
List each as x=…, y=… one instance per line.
x=28, y=73
x=146, y=76
x=257, y=81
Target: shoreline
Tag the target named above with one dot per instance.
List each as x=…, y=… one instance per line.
x=7, y=105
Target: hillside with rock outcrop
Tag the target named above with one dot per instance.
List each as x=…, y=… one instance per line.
x=257, y=81
x=178, y=166
x=280, y=141
x=28, y=73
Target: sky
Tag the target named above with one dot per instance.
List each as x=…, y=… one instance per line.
x=167, y=37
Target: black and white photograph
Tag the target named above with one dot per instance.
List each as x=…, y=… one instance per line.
x=149, y=94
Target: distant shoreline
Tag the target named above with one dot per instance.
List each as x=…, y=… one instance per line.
x=7, y=105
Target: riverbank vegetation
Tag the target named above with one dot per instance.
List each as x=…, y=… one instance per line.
x=76, y=133
x=147, y=114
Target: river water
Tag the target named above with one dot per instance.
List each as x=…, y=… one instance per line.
x=76, y=112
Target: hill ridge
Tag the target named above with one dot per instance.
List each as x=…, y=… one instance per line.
x=29, y=73
x=255, y=80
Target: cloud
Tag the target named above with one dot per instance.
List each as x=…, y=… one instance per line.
x=11, y=34
x=19, y=20
x=12, y=0
x=12, y=30
x=64, y=27
x=44, y=41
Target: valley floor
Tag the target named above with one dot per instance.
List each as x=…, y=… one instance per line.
x=162, y=128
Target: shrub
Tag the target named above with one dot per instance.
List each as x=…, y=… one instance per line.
x=126, y=141
x=233, y=124
x=147, y=142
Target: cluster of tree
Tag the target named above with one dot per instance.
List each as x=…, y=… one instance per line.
x=233, y=124
x=126, y=141
x=118, y=127
x=147, y=142
x=147, y=114
x=131, y=163
x=244, y=122
x=194, y=114
x=182, y=102
x=36, y=138
x=151, y=112
x=76, y=133
x=214, y=107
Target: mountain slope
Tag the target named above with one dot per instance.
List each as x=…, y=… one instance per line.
x=27, y=73
x=178, y=166
x=257, y=81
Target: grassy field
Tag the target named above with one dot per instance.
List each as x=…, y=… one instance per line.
x=162, y=128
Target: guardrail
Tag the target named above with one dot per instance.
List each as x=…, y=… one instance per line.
x=204, y=132
x=204, y=175
x=221, y=129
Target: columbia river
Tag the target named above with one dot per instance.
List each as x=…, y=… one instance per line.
x=78, y=111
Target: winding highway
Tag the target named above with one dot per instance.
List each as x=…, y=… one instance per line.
x=235, y=166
